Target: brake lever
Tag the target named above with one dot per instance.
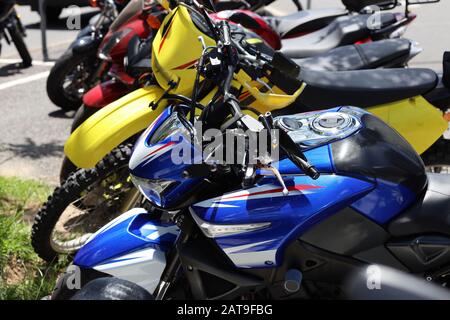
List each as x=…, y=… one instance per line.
x=296, y=155
x=202, y=41
x=277, y=174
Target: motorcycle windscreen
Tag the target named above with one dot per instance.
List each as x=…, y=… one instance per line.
x=133, y=8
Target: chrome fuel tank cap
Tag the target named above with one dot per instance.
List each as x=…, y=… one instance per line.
x=332, y=123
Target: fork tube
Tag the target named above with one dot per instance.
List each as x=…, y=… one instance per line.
x=174, y=263
x=130, y=200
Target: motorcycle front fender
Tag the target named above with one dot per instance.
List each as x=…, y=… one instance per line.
x=86, y=44
x=112, y=125
x=131, y=247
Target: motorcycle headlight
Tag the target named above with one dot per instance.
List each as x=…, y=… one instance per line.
x=116, y=37
x=152, y=189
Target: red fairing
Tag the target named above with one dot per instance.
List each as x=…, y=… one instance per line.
x=139, y=27
x=253, y=22
x=104, y=93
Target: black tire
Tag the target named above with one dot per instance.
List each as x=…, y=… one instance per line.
x=81, y=115
x=111, y=288
x=67, y=168
x=69, y=192
x=65, y=65
x=62, y=290
x=17, y=39
x=438, y=154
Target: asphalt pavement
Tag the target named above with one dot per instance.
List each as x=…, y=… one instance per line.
x=33, y=130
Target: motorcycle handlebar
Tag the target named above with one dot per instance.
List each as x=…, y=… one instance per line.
x=286, y=143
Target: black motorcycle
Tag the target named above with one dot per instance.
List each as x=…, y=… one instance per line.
x=12, y=29
x=73, y=72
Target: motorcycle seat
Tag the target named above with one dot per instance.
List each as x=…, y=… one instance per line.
x=363, y=88
x=431, y=214
x=343, y=31
x=304, y=21
x=384, y=53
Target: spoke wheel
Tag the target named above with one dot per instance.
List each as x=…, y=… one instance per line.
x=84, y=203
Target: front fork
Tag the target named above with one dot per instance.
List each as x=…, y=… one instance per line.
x=173, y=265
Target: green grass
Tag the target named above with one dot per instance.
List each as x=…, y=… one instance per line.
x=22, y=274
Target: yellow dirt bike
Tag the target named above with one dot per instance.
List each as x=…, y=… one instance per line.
x=410, y=100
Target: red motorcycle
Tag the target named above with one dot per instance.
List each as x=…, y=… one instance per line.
x=135, y=21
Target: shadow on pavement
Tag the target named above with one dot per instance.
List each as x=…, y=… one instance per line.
x=11, y=69
x=30, y=149
x=61, y=114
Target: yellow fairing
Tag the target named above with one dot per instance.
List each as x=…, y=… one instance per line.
x=112, y=125
x=415, y=119
x=176, y=49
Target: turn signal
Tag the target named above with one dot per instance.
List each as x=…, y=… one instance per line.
x=447, y=116
x=93, y=3
x=153, y=22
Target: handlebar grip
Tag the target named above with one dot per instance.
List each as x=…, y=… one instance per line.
x=307, y=168
x=313, y=173
x=226, y=33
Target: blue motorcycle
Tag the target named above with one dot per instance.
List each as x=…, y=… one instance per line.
x=346, y=192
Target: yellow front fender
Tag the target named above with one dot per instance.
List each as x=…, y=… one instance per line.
x=112, y=125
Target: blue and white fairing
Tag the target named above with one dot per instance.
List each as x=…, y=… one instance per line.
x=131, y=247
x=364, y=165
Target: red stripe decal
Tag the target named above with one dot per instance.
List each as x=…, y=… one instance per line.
x=186, y=65
x=160, y=148
x=290, y=188
x=244, y=95
x=165, y=36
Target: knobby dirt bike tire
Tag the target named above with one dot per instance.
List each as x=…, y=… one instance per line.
x=69, y=192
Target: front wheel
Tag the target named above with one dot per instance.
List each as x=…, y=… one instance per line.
x=81, y=116
x=437, y=157
x=70, y=78
x=84, y=203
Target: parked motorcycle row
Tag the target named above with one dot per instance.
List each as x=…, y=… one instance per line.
x=361, y=177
